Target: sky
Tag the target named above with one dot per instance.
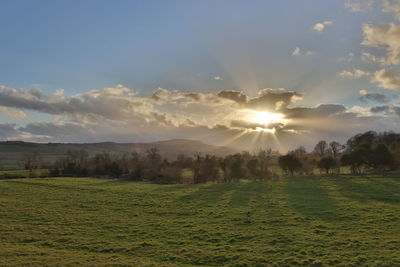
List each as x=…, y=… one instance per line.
x=246, y=74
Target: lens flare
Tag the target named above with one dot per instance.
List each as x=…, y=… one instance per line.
x=266, y=118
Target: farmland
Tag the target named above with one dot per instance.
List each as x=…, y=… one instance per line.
x=309, y=221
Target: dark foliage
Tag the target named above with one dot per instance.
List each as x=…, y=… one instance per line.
x=327, y=164
x=368, y=152
x=289, y=163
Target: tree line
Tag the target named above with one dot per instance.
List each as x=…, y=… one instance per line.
x=363, y=153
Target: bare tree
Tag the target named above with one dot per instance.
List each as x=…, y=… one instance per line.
x=31, y=161
x=336, y=147
x=264, y=158
x=320, y=148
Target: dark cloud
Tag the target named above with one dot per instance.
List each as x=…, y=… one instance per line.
x=236, y=96
x=63, y=131
x=194, y=96
x=112, y=103
x=374, y=97
x=8, y=131
x=245, y=124
x=118, y=114
x=396, y=110
x=380, y=109
x=273, y=100
x=322, y=110
x=386, y=109
x=266, y=100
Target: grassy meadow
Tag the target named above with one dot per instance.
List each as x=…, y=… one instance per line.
x=306, y=221
x=4, y=174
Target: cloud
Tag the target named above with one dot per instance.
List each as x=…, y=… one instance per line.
x=387, y=6
x=348, y=58
x=217, y=78
x=359, y=5
x=387, y=109
x=368, y=57
x=270, y=99
x=120, y=114
x=297, y=52
x=355, y=73
x=236, y=96
x=13, y=113
x=372, y=97
x=392, y=6
x=322, y=110
x=246, y=124
x=9, y=131
x=384, y=37
x=387, y=79
x=319, y=27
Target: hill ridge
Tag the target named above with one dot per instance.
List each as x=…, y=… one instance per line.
x=11, y=151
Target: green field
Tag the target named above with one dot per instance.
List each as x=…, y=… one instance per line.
x=344, y=221
x=22, y=173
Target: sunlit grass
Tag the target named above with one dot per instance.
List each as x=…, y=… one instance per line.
x=346, y=221
x=22, y=173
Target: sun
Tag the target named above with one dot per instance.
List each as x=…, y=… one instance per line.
x=266, y=118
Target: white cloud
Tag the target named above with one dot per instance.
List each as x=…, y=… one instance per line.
x=367, y=97
x=348, y=58
x=387, y=6
x=392, y=6
x=359, y=5
x=387, y=110
x=297, y=52
x=369, y=58
x=355, y=73
x=385, y=37
x=217, y=78
x=319, y=27
x=387, y=79
x=13, y=113
x=119, y=114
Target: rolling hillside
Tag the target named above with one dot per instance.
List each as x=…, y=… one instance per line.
x=299, y=221
x=11, y=151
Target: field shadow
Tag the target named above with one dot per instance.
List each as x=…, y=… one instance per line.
x=369, y=189
x=173, y=188
x=393, y=177
x=309, y=197
x=246, y=192
x=25, y=182
x=209, y=194
x=109, y=182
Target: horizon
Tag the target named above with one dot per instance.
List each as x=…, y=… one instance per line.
x=246, y=77
x=200, y=133
x=251, y=150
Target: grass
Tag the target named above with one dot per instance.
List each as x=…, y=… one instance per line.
x=306, y=221
x=22, y=173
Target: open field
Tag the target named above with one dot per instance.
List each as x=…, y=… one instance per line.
x=22, y=173
x=11, y=152
x=345, y=221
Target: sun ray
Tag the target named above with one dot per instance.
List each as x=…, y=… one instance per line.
x=233, y=138
x=265, y=118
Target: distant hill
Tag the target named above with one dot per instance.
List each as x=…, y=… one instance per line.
x=11, y=151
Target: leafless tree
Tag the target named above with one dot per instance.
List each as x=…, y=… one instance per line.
x=320, y=148
x=336, y=147
x=31, y=161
